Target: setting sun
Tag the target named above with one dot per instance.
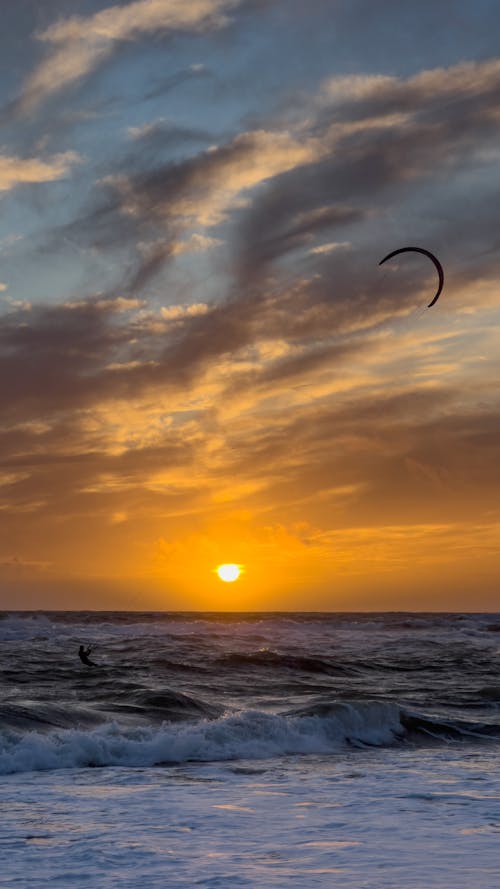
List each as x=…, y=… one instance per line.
x=229, y=572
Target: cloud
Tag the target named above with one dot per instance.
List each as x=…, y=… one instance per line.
x=203, y=189
x=172, y=198
x=276, y=226
x=282, y=387
x=193, y=72
x=142, y=422
x=172, y=313
x=378, y=141
x=161, y=133
x=295, y=200
x=329, y=248
x=196, y=244
x=368, y=143
x=80, y=44
x=16, y=171
x=377, y=93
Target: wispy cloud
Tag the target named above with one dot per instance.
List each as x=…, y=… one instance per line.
x=17, y=171
x=80, y=44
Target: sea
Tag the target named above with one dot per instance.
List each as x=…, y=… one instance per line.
x=250, y=750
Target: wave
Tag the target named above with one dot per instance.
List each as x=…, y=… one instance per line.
x=32, y=715
x=138, y=706
x=172, y=706
x=250, y=734
x=268, y=658
x=448, y=730
x=412, y=724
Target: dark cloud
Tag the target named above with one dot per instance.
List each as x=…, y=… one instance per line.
x=385, y=144
x=139, y=205
x=50, y=356
x=295, y=225
x=66, y=357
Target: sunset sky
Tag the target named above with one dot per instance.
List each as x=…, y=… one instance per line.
x=201, y=359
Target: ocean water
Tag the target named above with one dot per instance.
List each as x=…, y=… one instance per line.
x=259, y=750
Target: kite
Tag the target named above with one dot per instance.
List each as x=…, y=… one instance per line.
x=434, y=259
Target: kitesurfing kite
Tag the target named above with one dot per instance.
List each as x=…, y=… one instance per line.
x=434, y=259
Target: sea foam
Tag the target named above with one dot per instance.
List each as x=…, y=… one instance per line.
x=250, y=734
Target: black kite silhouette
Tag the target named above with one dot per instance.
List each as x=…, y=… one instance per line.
x=433, y=259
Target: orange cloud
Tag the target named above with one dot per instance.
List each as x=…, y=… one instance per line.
x=16, y=171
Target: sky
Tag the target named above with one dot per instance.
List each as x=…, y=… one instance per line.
x=202, y=361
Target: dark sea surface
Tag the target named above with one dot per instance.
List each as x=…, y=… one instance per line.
x=264, y=751
x=173, y=688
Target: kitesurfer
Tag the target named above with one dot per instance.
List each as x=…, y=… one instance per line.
x=84, y=656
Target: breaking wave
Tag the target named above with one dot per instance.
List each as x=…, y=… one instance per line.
x=250, y=734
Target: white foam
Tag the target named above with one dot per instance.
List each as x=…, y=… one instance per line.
x=250, y=734
x=378, y=818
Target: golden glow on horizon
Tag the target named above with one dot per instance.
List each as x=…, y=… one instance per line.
x=229, y=572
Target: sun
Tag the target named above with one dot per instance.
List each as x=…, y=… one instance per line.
x=229, y=572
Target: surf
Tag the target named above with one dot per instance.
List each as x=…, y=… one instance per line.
x=326, y=729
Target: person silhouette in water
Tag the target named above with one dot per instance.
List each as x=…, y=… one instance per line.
x=84, y=656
